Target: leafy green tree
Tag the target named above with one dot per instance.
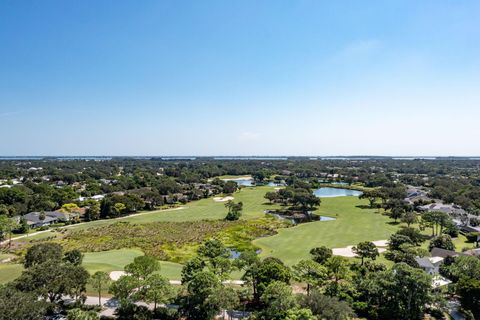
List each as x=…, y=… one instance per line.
x=216, y=256
x=15, y=304
x=409, y=218
x=300, y=314
x=142, y=267
x=437, y=220
x=42, y=252
x=305, y=199
x=93, y=212
x=119, y=208
x=130, y=311
x=213, y=248
x=201, y=302
x=464, y=267
x=338, y=268
x=310, y=272
x=74, y=256
x=123, y=289
x=397, y=240
x=277, y=299
x=79, y=314
x=399, y=293
x=157, y=289
x=190, y=268
x=7, y=225
x=53, y=279
x=271, y=196
x=396, y=213
x=366, y=249
x=469, y=291
x=99, y=281
x=69, y=207
x=415, y=236
x=321, y=254
x=234, y=210
x=230, y=187
x=442, y=241
x=23, y=226
x=226, y=298
x=473, y=237
x=269, y=270
x=371, y=196
x=325, y=307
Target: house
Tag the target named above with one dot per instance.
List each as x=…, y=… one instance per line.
x=34, y=219
x=430, y=265
x=50, y=217
x=447, y=208
x=443, y=253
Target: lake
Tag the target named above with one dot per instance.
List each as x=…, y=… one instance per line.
x=335, y=192
x=243, y=182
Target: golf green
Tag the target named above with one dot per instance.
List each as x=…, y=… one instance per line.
x=354, y=223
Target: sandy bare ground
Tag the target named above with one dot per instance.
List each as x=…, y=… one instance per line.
x=348, y=252
x=223, y=199
x=238, y=178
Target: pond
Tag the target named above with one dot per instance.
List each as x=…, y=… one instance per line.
x=295, y=221
x=336, y=192
x=242, y=182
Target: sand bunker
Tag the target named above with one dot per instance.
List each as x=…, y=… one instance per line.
x=348, y=252
x=224, y=199
x=115, y=275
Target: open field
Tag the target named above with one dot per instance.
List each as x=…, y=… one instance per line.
x=253, y=206
x=116, y=260
x=352, y=226
x=9, y=272
x=171, y=241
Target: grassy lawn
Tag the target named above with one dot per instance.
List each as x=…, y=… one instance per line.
x=253, y=206
x=9, y=272
x=107, y=261
x=352, y=226
x=116, y=260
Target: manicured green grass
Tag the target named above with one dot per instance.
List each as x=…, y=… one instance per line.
x=116, y=260
x=107, y=261
x=254, y=205
x=9, y=272
x=4, y=256
x=352, y=226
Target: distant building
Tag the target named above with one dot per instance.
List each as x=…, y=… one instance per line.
x=443, y=253
x=430, y=265
x=34, y=219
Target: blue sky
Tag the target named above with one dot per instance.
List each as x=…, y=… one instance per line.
x=239, y=77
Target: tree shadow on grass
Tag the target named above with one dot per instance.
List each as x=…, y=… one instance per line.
x=364, y=206
x=393, y=223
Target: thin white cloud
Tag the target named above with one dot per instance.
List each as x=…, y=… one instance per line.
x=248, y=136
